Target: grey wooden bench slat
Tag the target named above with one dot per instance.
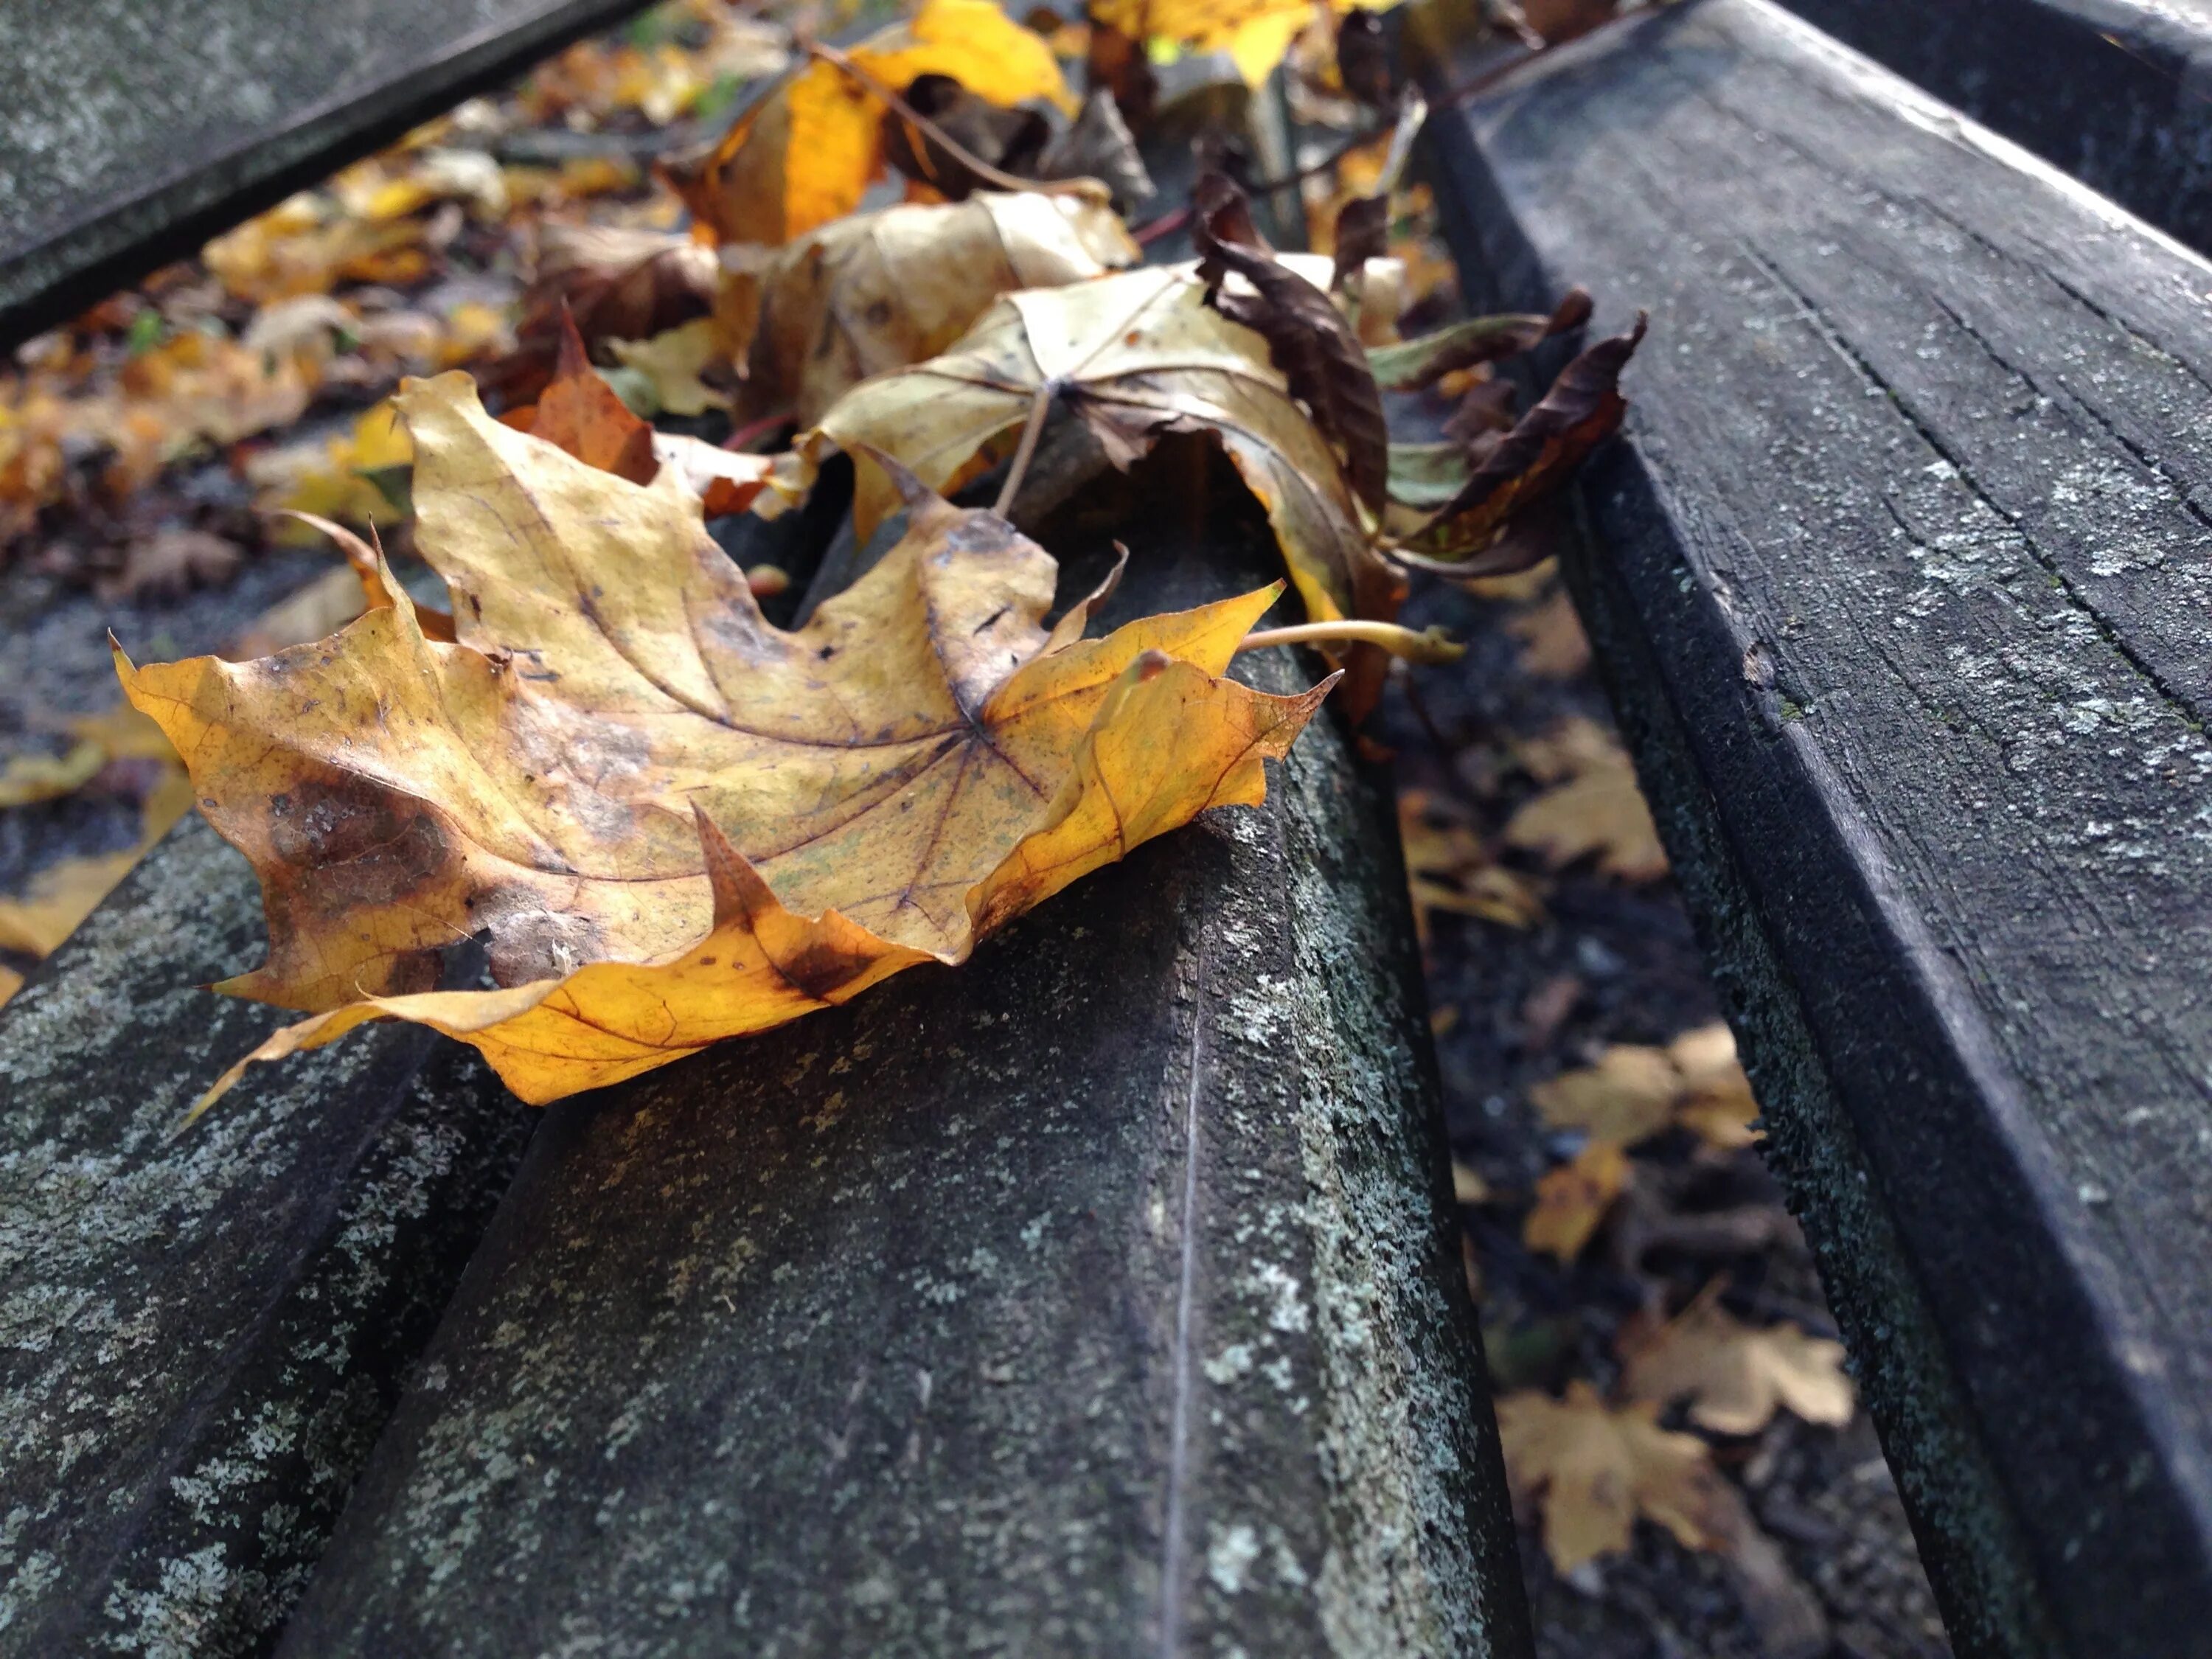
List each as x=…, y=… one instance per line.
x=1096, y=1297
x=200, y=1337
x=2119, y=92
x=1903, y=580
x=133, y=130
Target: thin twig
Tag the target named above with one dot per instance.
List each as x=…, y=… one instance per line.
x=1040, y=406
x=1166, y=225
x=1314, y=169
x=975, y=164
x=753, y=431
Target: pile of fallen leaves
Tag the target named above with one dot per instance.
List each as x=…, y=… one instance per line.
x=670, y=820
x=905, y=284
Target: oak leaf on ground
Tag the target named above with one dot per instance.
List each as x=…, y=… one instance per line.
x=1595, y=1469
x=671, y=822
x=1736, y=1375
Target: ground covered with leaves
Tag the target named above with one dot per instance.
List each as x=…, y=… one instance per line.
x=682, y=323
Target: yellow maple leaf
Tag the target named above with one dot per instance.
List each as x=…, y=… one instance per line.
x=673, y=823
x=1634, y=1092
x=1594, y=1469
x=1256, y=33
x=1735, y=1376
x=1573, y=1199
x=1132, y=355
x=1593, y=805
x=805, y=155
x=61, y=895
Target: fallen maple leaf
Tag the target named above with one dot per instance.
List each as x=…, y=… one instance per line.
x=1627, y=1097
x=669, y=368
x=1736, y=1375
x=1595, y=807
x=1634, y=1092
x=1256, y=33
x=1594, y=1469
x=671, y=822
x=1573, y=1199
x=10, y=983
x=1132, y=356
x=804, y=155
x=62, y=894
x=1553, y=646
x=35, y=777
x=880, y=291
x=1449, y=869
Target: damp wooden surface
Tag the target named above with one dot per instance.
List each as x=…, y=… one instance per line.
x=1903, y=581
x=131, y=131
x=1100, y=1297
x=2117, y=93
x=201, y=1335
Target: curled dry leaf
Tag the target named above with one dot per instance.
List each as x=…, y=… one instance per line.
x=1595, y=1469
x=1098, y=144
x=671, y=822
x=1363, y=233
x=880, y=291
x=1582, y=408
x=1132, y=357
x=1410, y=365
x=1363, y=60
x=1307, y=336
x=1736, y=1375
x=804, y=155
x=1010, y=141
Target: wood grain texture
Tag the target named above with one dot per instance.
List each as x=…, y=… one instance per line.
x=2119, y=92
x=200, y=1336
x=130, y=131
x=1904, y=581
x=1100, y=1297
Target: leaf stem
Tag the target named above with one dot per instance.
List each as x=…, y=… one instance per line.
x=1431, y=645
x=872, y=84
x=1040, y=406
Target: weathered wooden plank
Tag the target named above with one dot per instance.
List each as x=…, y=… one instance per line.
x=130, y=131
x=200, y=1336
x=1902, y=582
x=2119, y=92
x=1097, y=1298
